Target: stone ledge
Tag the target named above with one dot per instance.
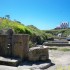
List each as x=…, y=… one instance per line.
x=9, y=61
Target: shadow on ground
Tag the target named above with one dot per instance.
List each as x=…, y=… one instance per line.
x=26, y=62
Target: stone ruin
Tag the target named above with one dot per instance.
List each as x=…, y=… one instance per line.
x=38, y=53
x=17, y=46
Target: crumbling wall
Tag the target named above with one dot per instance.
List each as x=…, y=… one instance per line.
x=19, y=45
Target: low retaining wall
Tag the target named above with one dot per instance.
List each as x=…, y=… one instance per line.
x=56, y=44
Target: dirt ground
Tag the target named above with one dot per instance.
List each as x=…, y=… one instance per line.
x=60, y=60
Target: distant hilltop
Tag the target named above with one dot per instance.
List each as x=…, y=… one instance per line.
x=63, y=25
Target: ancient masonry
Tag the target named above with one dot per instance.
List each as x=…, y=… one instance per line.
x=14, y=45
x=17, y=46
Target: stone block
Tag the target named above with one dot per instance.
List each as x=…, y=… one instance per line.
x=38, y=53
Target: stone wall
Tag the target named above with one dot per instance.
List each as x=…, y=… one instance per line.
x=3, y=45
x=19, y=45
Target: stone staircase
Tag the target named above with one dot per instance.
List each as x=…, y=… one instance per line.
x=57, y=43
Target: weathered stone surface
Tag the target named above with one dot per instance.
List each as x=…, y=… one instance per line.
x=38, y=53
x=61, y=42
x=16, y=46
x=9, y=61
x=3, y=45
x=19, y=45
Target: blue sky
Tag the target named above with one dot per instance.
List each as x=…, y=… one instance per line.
x=44, y=14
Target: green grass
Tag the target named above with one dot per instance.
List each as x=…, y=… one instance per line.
x=60, y=48
x=36, y=35
x=52, y=48
x=64, y=49
x=65, y=32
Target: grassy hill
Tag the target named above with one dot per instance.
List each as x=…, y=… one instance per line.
x=36, y=36
x=16, y=26
x=65, y=32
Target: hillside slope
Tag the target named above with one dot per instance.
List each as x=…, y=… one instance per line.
x=36, y=35
x=65, y=32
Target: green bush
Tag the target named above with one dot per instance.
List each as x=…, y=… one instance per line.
x=36, y=36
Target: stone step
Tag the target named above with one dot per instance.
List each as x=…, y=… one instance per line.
x=9, y=61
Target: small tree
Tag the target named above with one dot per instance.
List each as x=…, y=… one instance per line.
x=7, y=16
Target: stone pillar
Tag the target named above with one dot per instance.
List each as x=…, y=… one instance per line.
x=9, y=46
